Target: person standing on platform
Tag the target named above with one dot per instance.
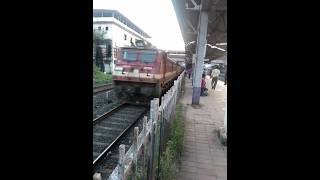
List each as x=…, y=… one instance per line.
x=204, y=90
x=189, y=72
x=214, y=75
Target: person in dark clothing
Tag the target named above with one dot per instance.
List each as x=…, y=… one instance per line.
x=204, y=90
x=189, y=72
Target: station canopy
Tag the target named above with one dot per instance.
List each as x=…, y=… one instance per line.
x=188, y=11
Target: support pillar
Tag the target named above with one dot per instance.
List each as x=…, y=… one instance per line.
x=225, y=115
x=200, y=54
x=225, y=119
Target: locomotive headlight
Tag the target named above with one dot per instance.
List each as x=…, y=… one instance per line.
x=148, y=74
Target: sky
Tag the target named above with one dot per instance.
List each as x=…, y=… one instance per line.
x=155, y=17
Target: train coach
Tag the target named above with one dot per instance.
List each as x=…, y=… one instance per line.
x=144, y=72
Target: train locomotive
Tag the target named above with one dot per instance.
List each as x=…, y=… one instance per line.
x=144, y=72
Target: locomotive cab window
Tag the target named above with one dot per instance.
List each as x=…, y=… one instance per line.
x=147, y=56
x=129, y=55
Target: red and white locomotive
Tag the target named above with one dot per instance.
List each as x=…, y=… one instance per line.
x=144, y=71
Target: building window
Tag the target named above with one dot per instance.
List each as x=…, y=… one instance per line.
x=99, y=28
x=125, y=37
x=109, y=51
x=106, y=14
x=96, y=14
x=107, y=28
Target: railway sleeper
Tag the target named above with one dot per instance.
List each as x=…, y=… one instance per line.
x=134, y=116
x=102, y=129
x=103, y=134
x=130, y=107
x=119, y=120
x=95, y=155
x=103, y=139
x=114, y=124
x=132, y=111
x=99, y=147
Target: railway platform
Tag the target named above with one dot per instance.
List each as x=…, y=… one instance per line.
x=203, y=156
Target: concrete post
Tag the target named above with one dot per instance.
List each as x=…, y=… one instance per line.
x=162, y=127
x=144, y=126
x=164, y=104
x=97, y=176
x=162, y=113
x=135, y=147
x=225, y=115
x=152, y=110
x=150, y=149
x=156, y=109
x=122, y=150
x=154, y=106
x=169, y=102
x=157, y=125
x=144, y=141
x=225, y=119
x=175, y=92
x=153, y=131
x=200, y=53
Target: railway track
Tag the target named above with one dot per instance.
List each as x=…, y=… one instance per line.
x=102, y=88
x=111, y=129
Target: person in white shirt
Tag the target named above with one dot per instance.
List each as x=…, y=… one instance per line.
x=214, y=75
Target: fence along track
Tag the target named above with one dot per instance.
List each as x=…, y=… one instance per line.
x=149, y=138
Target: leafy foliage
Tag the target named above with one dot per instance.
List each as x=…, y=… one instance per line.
x=99, y=77
x=173, y=148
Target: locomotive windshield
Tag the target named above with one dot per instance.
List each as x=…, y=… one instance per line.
x=129, y=55
x=147, y=56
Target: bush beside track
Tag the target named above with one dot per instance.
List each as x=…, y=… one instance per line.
x=99, y=77
x=171, y=155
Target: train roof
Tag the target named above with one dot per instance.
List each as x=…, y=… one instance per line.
x=142, y=48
